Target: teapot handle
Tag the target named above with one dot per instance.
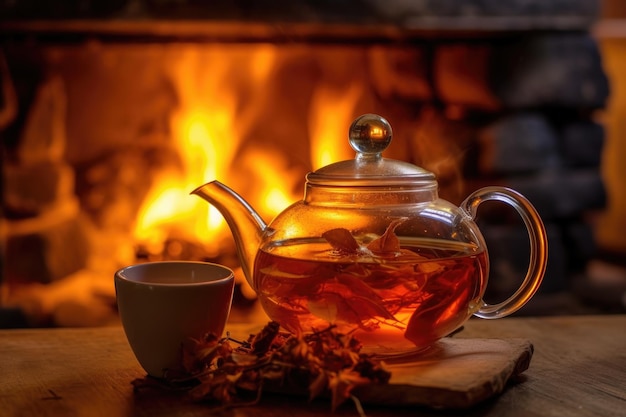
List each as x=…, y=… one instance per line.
x=538, y=247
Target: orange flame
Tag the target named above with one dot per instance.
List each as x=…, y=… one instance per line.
x=207, y=132
x=332, y=110
x=206, y=139
x=168, y=207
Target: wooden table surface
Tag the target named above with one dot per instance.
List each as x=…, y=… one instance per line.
x=578, y=369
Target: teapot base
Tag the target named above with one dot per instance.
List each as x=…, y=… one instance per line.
x=387, y=353
x=387, y=344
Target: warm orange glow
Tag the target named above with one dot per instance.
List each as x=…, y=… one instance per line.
x=376, y=132
x=206, y=138
x=169, y=207
x=276, y=199
x=274, y=181
x=332, y=111
x=201, y=148
x=207, y=129
x=222, y=91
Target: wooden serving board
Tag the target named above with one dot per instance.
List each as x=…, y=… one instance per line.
x=452, y=374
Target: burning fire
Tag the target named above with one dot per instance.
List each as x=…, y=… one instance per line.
x=209, y=134
x=233, y=101
x=168, y=205
x=332, y=111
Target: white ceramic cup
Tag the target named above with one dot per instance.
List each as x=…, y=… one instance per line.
x=163, y=304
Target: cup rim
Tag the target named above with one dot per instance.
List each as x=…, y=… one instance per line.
x=119, y=274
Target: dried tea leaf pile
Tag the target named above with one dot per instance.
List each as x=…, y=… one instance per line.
x=225, y=372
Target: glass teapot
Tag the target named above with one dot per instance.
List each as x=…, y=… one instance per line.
x=373, y=250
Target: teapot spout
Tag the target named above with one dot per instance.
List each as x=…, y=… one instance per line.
x=246, y=226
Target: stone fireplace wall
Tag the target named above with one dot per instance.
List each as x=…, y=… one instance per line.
x=488, y=93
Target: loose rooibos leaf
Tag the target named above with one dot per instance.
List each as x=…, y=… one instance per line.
x=341, y=240
x=321, y=361
x=388, y=242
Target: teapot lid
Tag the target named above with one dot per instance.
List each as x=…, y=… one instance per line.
x=370, y=135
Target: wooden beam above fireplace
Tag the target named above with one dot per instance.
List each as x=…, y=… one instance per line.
x=288, y=21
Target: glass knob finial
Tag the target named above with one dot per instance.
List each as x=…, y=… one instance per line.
x=370, y=134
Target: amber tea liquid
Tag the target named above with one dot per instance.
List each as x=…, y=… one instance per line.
x=404, y=301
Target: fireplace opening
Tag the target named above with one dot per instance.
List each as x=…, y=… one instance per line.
x=108, y=128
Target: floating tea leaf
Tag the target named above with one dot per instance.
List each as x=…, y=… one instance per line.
x=388, y=242
x=342, y=240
